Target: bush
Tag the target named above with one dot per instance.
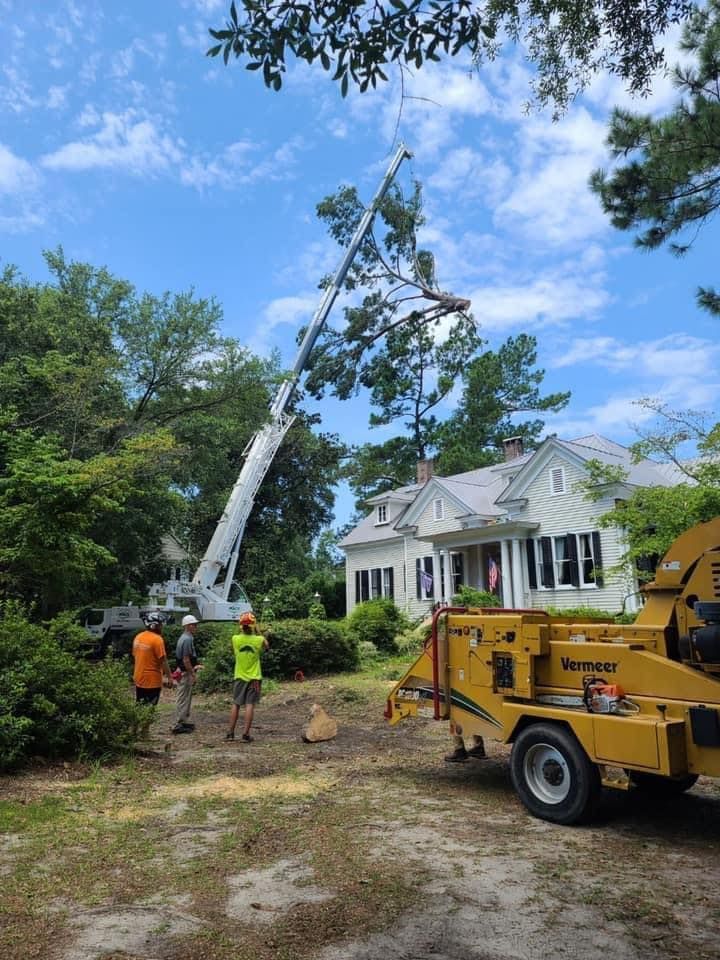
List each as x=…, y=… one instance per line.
x=205, y=634
x=56, y=705
x=411, y=641
x=470, y=597
x=378, y=621
x=313, y=646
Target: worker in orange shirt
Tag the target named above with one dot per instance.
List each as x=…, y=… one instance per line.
x=151, y=661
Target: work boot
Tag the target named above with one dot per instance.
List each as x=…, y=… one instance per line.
x=183, y=728
x=477, y=750
x=459, y=755
x=247, y=738
x=230, y=735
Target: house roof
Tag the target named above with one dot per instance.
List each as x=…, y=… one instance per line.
x=485, y=492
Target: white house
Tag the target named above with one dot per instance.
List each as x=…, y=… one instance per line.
x=523, y=528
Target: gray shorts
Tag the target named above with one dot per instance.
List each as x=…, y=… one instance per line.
x=246, y=691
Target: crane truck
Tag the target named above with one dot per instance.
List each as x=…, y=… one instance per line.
x=213, y=588
x=585, y=704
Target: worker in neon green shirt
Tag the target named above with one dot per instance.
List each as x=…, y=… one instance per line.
x=248, y=647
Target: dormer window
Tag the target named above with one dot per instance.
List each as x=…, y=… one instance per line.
x=438, y=509
x=381, y=514
x=557, y=480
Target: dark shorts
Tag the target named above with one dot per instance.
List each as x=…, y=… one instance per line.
x=149, y=695
x=246, y=691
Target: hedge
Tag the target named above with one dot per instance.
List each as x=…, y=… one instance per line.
x=312, y=646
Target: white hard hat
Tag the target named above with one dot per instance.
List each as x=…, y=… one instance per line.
x=188, y=620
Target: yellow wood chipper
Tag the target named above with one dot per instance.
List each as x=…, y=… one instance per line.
x=586, y=704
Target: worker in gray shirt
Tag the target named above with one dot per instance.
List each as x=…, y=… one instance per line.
x=186, y=664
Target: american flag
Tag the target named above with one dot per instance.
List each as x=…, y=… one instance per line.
x=426, y=581
x=493, y=574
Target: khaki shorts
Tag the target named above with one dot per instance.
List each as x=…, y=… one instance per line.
x=246, y=691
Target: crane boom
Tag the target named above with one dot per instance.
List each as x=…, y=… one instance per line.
x=222, y=553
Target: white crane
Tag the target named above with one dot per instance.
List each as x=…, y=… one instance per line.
x=207, y=589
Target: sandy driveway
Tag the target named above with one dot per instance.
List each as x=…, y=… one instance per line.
x=366, y=847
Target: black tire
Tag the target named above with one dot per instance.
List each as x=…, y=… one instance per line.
x=553, y=776
x=651, y=783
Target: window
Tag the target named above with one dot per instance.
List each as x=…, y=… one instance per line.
x=557, y=480
x=457, y=572
x=382, y=513
x=378, y=582
x=571, y=560
x=439, y=509
x=563, y=560
x=424, y=578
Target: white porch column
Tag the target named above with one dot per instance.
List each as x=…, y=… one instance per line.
x=445, y=560
x=517, y=575
x=481, y=571
x=505, y=575
x=437, y=561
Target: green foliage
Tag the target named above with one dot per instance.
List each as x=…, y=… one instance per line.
x=470, y=597
x=567, y=42
x=668, y=184
x=312, y=646
x=651, y=518
x=107, y=400
x=378, y=621
x=218, y=659
x=497, y=386
x=411, y=640
x=56, y=705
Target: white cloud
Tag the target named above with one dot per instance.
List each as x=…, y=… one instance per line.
x=648, y=358
x=20, y=197
x=553, y=299
x=293, y=311
x=241, y=163
x=129, y=141
x=16, y=94
x=16, y=175
x=57, y=97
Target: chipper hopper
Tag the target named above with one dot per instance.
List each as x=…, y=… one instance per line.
x=586, y=704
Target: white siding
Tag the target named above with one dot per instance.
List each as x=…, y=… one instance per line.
x=572, y=512
x=428, y=526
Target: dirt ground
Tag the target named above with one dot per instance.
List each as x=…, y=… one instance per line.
x=360, y=848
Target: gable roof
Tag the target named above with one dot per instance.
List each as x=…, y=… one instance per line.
x=486, y=493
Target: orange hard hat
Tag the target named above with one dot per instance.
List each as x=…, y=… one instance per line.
x=247, y=618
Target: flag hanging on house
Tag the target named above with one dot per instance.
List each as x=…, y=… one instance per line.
x=426, y=581
x=493, y=574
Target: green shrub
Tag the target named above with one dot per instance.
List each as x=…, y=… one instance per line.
x=367, y=650
x=378, y=621
x=581, y=613
x=313, y=646
x=55, y=704
x=218, y=659
x=470, y=597
x=204, y=636
x=411, y=641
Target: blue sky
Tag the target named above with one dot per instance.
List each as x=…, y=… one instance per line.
x=122, y=142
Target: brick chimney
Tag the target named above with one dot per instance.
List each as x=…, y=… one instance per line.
x=424, y=470
x=513, y=447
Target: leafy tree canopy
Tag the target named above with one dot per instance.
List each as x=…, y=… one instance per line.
x=653, y=517
x=667, y=184
x=497, y=385
x=356, y=40
x=122, y=418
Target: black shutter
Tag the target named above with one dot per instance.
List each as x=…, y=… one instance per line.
x=391, y=582
x=572, y=553
x=597, y=559
x=530, y=554
x=365, y=584
x=376, y=582
x=418, y=587
x=548, y=571
x=358, y=595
